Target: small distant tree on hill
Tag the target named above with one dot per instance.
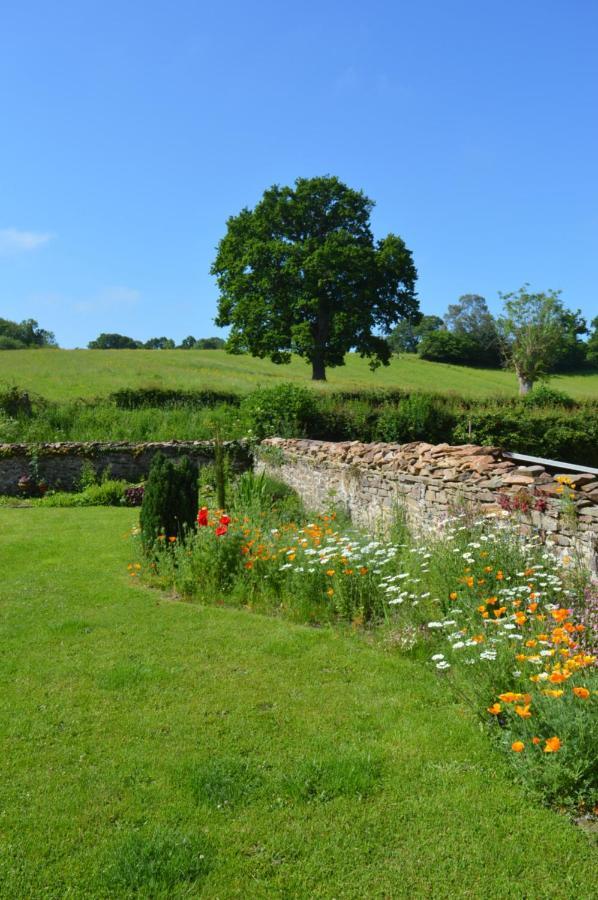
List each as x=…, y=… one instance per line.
x=159, y=343
x=407, y=335
x=210, y=343
x=531, y=334
x=301, y=273
x=106, y=341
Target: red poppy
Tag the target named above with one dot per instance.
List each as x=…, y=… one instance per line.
x=202, y=516
x=224, y=520
x=222, y=529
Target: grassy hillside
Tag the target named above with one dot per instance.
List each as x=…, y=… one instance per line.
x=68, y=374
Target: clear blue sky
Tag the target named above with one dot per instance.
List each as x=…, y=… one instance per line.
x=132, y=130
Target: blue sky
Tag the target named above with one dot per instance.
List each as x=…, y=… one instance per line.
x=131, y=131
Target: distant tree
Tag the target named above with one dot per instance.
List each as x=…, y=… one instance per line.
x=571, y=356
x=187, y=343
x=301, y=273
x=407, y=336
x=106, y=341
x=592, y=345
x=211, y=343
x=159, y=343
x=448, y=347
x=471, y=317
x=18, y=335
x=531, y=334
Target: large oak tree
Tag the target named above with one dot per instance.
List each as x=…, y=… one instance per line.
x=301, y=273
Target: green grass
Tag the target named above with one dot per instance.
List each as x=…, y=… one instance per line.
x=69, y=374
x=160, y=749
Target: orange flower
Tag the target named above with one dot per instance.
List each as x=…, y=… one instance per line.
x=557, y=678
x=498, y=612
x=559, y=615
x=531, y=643
x=552, y=745
x=520, y=618
x=581, y=692
x=330, y=572
x=523, y=711
x=453, y=595
x=482, y=608
x=535, y=740
x=499, y=575
x=532, y=607
x=478, y=638
x=469, y=581
x=494, y=709
x=363, y=570
x=249, y=565
x=487, y=568
x=330, y=592
x=517, y=746
x=509, y=697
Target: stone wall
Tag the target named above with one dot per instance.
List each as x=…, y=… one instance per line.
x=431, y=482
x=60, y=464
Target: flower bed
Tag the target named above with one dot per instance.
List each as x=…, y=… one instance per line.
x=495, y=615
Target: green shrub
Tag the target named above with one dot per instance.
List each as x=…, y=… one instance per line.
x=286, y=410
x=417, y=418
x=108, y=493
x=544, y=396
x=169, y=501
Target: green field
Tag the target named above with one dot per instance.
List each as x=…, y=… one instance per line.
x=154, y=748
x=69, y=374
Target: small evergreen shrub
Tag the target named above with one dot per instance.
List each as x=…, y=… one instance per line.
x=169, y=504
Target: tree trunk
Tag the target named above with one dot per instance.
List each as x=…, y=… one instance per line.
x=318, y=369
x=525, y=385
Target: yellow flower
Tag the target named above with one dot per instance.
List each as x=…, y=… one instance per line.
x=330, y=572
x=330, y=592
x=523, y=711
x=551, y=692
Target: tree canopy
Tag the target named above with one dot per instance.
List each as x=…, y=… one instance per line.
x=531, y=334
x=20, y=335
x=301, y=273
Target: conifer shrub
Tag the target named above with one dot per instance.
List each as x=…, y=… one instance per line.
x=169, y=504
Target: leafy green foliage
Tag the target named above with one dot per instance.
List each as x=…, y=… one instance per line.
x=21, y=335
x=285, y=410
x=531, y=334
x=407, y=335
x=417, y=418
x=114, y=341
x=169, y=504
x=301, y=274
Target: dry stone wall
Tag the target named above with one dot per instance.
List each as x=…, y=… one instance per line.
x=60, y=464
x=431, y=482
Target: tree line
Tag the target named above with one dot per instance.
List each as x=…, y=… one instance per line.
x=113, y=341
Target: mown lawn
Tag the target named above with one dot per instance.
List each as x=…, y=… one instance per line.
x=163, y=748
x=69, y=374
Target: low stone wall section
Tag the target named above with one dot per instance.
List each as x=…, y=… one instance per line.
x=431, y=482
x=60, y=464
